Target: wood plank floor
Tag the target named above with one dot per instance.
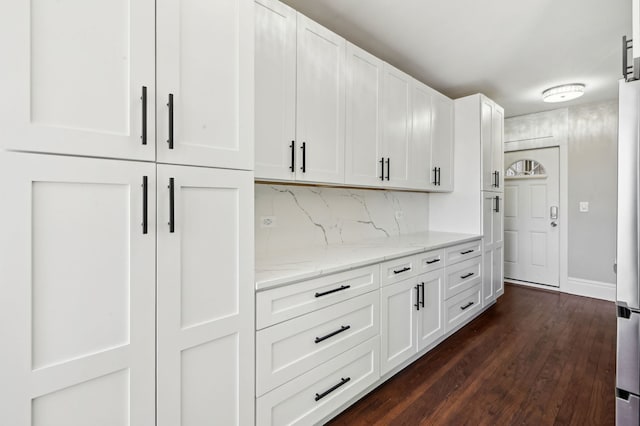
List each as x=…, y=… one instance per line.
x=534, y=358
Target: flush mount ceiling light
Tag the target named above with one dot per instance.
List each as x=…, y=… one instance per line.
x=563, y=93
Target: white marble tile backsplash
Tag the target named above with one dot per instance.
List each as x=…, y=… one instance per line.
x=315, y=216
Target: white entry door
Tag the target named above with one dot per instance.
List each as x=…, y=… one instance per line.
x=532, y=218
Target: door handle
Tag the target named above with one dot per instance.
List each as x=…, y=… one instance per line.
x=143, y=98
x=388, y=167
x=304, y=157
x=172, y=206
x=382, y=169
x=293, y=156
x=553, y=213
x=170, y=105
x=554, y=224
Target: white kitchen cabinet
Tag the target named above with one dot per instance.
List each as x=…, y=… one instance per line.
x=396, y=133
x=493, y=231
x=315, y=57
x=492, y=143
x=411, y=318
x=275, y=90
x=431, y=139
x=77, y=304
x=363, y=154
x=205, y=82
x=205, y=309
x=73, y=78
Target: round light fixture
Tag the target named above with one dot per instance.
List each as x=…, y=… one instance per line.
x=563, y=93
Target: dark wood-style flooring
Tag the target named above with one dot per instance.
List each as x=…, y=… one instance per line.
x=534, y=358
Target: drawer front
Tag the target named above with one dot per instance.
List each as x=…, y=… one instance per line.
x=462, y=252
x=396, y=270
x=294, y=347
x=430, y=261
x=309, y=398
x=462, y=276
x=460, y=308
x=283, y=303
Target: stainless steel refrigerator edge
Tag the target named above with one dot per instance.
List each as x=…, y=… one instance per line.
x=628, y=286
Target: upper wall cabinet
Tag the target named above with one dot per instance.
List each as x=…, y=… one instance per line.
x=205, y=82
x=299, y=97
x=82, y=78
x=492, y=143
x=363, y=152
x=431, y=139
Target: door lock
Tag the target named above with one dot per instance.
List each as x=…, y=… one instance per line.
x=554, y=224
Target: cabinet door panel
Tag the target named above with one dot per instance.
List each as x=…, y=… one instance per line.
x=205, y=296
x=486, y=135
x=205, y=59
x=488, y=213
x=431, y=315
x=498, y=270
x=397, y=126
x=497, y=145
x=488, y=293
x=76, y=76
x=498, y=220
x=421, y=170
x=76, y=246
x=320, y=103
x=398, y=324
x=442, y=140
x=364, y=117
x=275, y=79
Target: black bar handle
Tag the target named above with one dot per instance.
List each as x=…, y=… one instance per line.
x=439, y=176
x=421, y=285
x=467, y=251
x=435, y=176
x=408, y=268
x=172, y=225
x=429, y=262
x=417, y=304
x=324, y=293
x=625, y=68
x=319, y=396
x=466, y=306
x=170, y=105
x=497, y=210
x=470, y=274
x=382, y=169
x=144, y=115
x=293, y=156
x=145, y=204
x=333, y=333
x=497, y=178
x=388, y=167
x=304, y=157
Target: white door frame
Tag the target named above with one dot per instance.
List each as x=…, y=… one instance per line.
x=561, y=143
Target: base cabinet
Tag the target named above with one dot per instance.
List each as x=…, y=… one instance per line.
x=411, y=318
x=77, y=304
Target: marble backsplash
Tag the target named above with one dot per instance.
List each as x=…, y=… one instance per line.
x=303, y=216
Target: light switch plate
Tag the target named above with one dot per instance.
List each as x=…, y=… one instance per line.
x=584, y=206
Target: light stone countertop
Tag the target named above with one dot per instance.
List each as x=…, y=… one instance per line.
x=276, y=269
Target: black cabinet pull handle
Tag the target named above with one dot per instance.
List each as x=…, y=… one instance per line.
x=402, y=270
x=293, y=156
x=170, y=105
x=382, y=168
x=429, y=262
x=319, y=396
x=466, y=251
x=497, y=178
x=417, y=304
x=421, y=285
x=388, y=168
x=470, y=274
x=625, y=69
x=435, y=176
x=439, y=176
x=324, y=293
x=145, y=204
x=172, y=227
x=304, y=157
x=333, y=333
x=466, y=306
x=144, y=115
x=497, y=209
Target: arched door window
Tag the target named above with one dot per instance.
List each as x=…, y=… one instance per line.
x=526, y=168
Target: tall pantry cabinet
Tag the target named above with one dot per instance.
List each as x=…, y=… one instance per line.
x=127, y=274
x=476, y=205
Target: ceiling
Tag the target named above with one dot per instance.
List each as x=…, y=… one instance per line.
x=509, y=50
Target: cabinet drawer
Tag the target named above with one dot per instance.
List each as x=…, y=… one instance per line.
x=396, y=270
x=461, y=307
x=291, y=348
x=430, y=261
x=462, y=252
x=280, y=304
x=462, y=276
x=311, y=397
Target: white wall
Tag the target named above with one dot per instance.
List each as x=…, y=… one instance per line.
x=316, y=216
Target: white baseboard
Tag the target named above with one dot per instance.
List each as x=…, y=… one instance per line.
x=588, y=288
x=534, y=285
